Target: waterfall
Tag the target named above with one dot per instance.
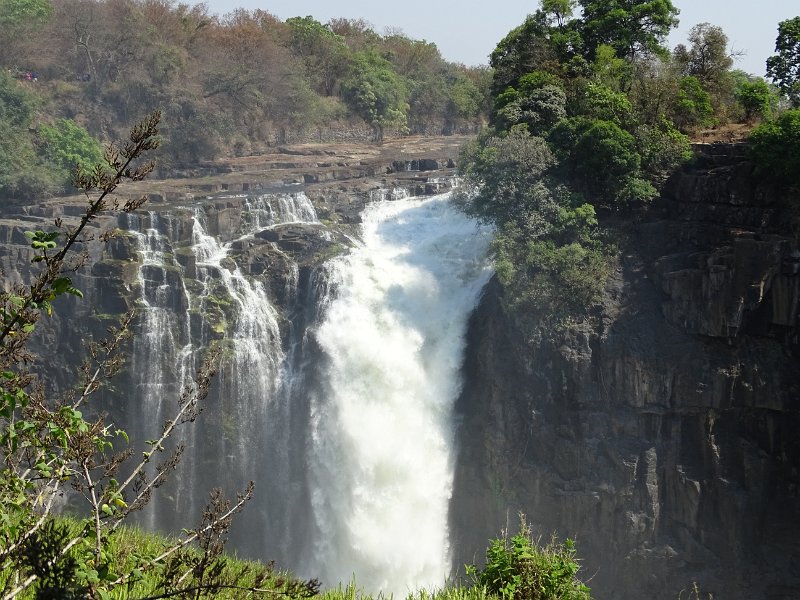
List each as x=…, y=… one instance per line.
x=381, y=462
x=186, y=306
x=339, y=404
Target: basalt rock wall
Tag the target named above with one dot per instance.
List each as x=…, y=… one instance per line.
x=664, y=438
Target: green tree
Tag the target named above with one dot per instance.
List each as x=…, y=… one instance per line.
x=22, y=174
x=558, y=12
x=663, y=149
x=24, y=13
x=538, y=102
x=756, y=98
x=784, y=67
x=601, y=159
x=601, y=102
x=631, y=27
x=324, y=53
x=707, y=58
x=608, y=69
x=775, y=147
x=18, y=19
x=376, y=93
x=692, y=108
x=525, y=49
x=504, y=181
x=67, y=146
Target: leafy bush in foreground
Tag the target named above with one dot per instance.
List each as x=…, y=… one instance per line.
x=517, y=568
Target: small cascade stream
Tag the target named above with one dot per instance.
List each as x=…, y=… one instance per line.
x=338, y=402
x=175, y=336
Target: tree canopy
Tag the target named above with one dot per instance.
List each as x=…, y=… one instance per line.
x=784, y=67
x=631, y=27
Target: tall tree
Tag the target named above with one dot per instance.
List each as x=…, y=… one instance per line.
x=324, y=53
x=525, y=49
x=784, y=67
x=631, y=27
x=707, y=58
x=376, y=93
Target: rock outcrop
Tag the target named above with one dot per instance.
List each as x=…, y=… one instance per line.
x=665, y=439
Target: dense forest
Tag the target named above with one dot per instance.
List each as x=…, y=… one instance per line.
x=75, y=71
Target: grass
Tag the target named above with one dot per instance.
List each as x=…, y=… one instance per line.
x=448, y=592
x=128, y=545
x=517, y=567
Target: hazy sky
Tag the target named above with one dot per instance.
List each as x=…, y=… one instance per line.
x=468, y=30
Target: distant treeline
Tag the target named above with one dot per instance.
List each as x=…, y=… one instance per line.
x=235, y=83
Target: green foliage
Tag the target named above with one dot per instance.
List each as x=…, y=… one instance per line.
x=19, y=19
x=546, y=251
x=784, y=67
x=536, y=107
x=16, y=104
x=601, y=102
x=546, y=281
x=465, y=99
x=67, y=146
x=600, y=159
x=525, y=49
x=517, y=568
x=608, y=69
x=230, y=84
x=756, y=98
x=663, y=149
x=376, y=93
x=324, y=53
x=503, y=180
x=24, y=13
x=22, y=175
x=693, y=108
x=631, y=27
x=707, y=58
x=775, y=147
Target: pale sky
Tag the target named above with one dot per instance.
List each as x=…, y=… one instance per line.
x=467, y=31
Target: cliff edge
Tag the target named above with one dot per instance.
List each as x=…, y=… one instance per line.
x=665, y=438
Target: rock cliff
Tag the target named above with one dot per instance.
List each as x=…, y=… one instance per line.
x=665, y=438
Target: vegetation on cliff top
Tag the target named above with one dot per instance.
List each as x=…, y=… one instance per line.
x=591, y=114
x=231, y=84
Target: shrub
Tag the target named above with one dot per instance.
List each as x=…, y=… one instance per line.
x=546, y=279
x=597, y=156
x=757, y=99
x=693, y=108
x=517, y=568
x=67, y=146
x=775, y=147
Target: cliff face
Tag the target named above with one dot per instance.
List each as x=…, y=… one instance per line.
x=666, y=439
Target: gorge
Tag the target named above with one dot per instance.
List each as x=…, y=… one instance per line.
x=664, y=441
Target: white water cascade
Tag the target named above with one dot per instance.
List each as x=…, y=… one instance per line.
x=252, y=372
x=337, y=401
x=392, y=338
